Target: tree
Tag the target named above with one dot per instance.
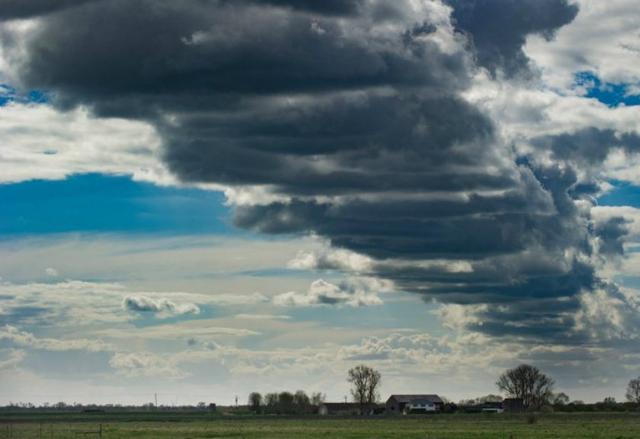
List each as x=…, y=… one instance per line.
x=527, y=383
x=301, y=402
x=561, y=399
x=633, y=390
x=271, y=402
x=317, y=398
x=489, y=399
x=609, y=400
x=285, y=403
x=255, y=402
x=365, y=382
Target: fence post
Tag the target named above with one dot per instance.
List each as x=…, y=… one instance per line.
x=100, y=431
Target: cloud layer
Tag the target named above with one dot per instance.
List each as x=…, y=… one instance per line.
x=365, y=123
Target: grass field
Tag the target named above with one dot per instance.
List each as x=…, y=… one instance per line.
x=458, y=426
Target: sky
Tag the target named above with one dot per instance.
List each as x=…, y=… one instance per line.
x=205, y=198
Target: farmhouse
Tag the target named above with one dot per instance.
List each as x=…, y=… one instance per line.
x=404, y=404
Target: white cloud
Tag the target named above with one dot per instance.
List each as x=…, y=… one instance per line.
x=525, y=112
x=75, y=303
x=601, y=214
x=51, y=272
x=262, y=317
x=12, y=358
x=609, y=315
x=239, y=299
x=603, y=38
x=161, y=306
x=329, y=258
x=138, y=364
x=458, y=317
x=221, y=269
x=39, y=142
x=204, y=328
x=354, y=292
x=439, y=354
x=27, y=339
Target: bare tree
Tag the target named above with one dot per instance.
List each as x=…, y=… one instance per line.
x=633, y=390
x=527, y=383
x=255, y=402
x=317, y=398
x=561, y=399
x=365, y=382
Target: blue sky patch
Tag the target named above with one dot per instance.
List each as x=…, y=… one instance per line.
x=608, y=93
x=99, y=203
x=10, y=94
x=623, y=194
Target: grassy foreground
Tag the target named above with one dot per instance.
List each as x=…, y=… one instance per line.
x=458, y=426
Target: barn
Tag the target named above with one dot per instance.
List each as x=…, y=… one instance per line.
x=405, y=404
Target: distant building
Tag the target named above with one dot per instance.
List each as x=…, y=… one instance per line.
x=405, y=404
x=492, y=407
x=339, y=409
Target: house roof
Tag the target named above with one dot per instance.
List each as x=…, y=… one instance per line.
x=410, y=398
x=422, y=401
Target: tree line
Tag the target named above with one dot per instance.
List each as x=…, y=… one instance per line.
x=535, y=389
x=285, y=403
x=526, y=383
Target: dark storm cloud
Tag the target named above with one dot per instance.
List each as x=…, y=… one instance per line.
x=498, y=28
x=351, y=110
x=332, y=7
x=612, y=233
x=589, y=146
x=160, y=55
x=27, y=8
x=343, y=144
x=475, y=228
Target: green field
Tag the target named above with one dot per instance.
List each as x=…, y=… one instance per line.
x=462, y=426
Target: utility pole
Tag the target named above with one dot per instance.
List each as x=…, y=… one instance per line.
x=156, y=398
x=236, y=400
